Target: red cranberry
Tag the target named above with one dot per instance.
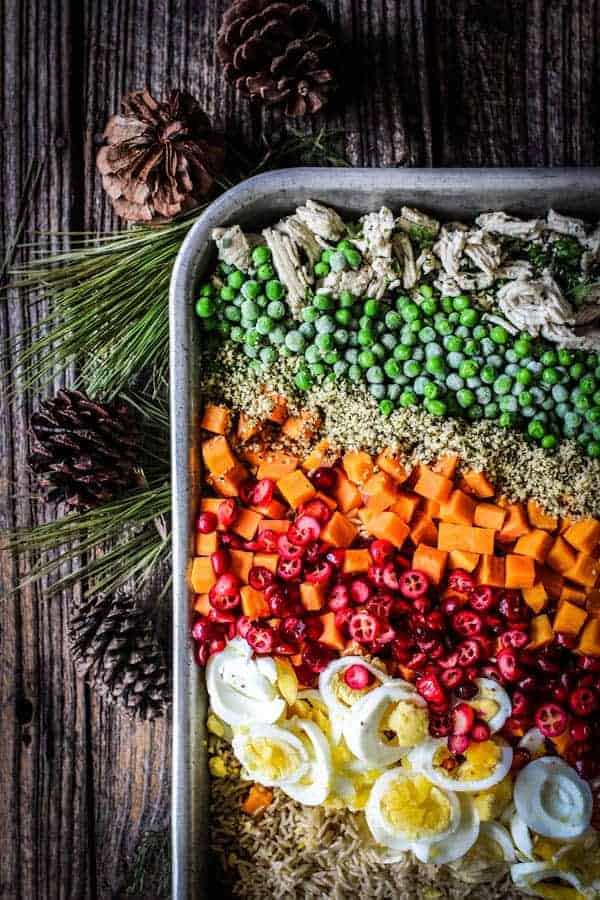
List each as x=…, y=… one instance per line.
x=358, y=677
x=429, y=688
x=401, y=607
x=376, y=576
x=579, y=730
x=320, y=573
x=360, y=590
x=512, y=606
x=482, y=598
x=306, y=676
x=568, y=641
x=338, y=597
x=439, y=725
x=521, y=757
x=203, y=630
x=217, y=645
x=364, y=627
x=514, y=638
x=528, y=684
x=494, y=623
x=390, y=576
x=480, y=731
x=417, y=661
x=422, y=605
x=468, y=652
x=413, y=584
x=380, y=551
x=287, y=549
x=467, y=623
x=508, y=665
x=324, y=478
x=381, y=606
x=260, y=638
x=452, y=602
x=589, y=663
x=243, y=626
x=304, y=530
x=268, y=541
x=583, y=701
x=459, y=580
x=293, y=629
x=316, y=656
x=466, y=691
x=221, y=617
x=458, y=743
x=206, y=522
x=220, y=561
x=224, y=594
x=260, y=578
x=400, y=652
x=289, y=569
x=463, y=718
x=246, y=490
x=228, y=512
x=491, y=671
x=262, y=492
x=314, y=627
x=342, y=620
x=551, y=719
x=279, y=604
x=336, y=557
x=203, y=653
x=312, y=553
x=520, y=704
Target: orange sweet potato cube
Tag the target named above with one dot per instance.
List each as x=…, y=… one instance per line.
x=331, y=636
x=254, y=604
x=462, y=559
x=280, y=526
x=206, y=543
x=479, y=484
x=389, y=527
x=266, y=561
x=346, y=494
x=515, y=523
x=423, y=530
x=312, y=596
x=589, y=641
x=536, y=597
x=553, y=581
x=241, y=563
x=339, y=531
x=202, y=604
x=465, y=537
x=217, y=455
x=432, y=485
x=228, y=483
x=539, y=519
x=540, y=632
x=316, y=456
x=405, y=505
x=431, y=561
x=488, y=515
x=246, y=523
x=296, y=488
x=358, y=466
x=216, y=419
x=202, y=576
x=356, y=561
x=561, y=556
x=447, y=465
x=279, y=410
x=584, y=535
x=459, y=509
x=573, y=595
x=585, y=571
x=380, y=490
x=389, y=461
x=569, y=619
x=520, y=571
x=490, y=571
x=536, y=543
x=276, y=464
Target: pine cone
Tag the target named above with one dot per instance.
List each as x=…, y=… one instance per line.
x=113, y=642
x=279, y=51
x=161, y=158
x=84, y=452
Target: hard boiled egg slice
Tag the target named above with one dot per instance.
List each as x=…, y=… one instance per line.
x=457, y=844
x=483, y=764
x=538, y=879
x=491, y=703
x=499, y=835
x=552, y=799
x=405, y=811
x=340, y=697
x=271, y=755
x=313, y=787
x=533, y=741
x=242, y=689
x=521, y=837
x=386, y=723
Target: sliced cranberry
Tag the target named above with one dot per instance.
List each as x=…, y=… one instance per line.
x=314, y=627
x=228, y=512
x=589, y=663
x=450, y=678
x=358, y=677
x=318, y=509
x=491, y=671
x=262, y=492
x=260, y=638
x=583, y=701
x=579, y=730
x=203, y=653
x=221, y=616
x=203, y=630
x=364, y=627
x=246, y=490
x=413, y=584
x=336, y=557
x=449, y=661
x=243, y=625
x=381, y=606
x=317, y=656
x=467, y=623
x=435, y=620
x=508, y=664
x=206, y=522
x=460, y=580
x=324, y=478
x=400, y=652
x=386, y=636
x=453, y=601
x=521, y=705
x=304, y=530
x=551, y=719
x=514, y=638
x=306, y=676
x=260, y=577
x=458, y=743
x=375, y=574
x=422, y=604
x=217, y=645
x=224, y=594
x=495, y=623
x=220, y=561
x=417, y=661
x=463, y=718
x=293, y=629
x=480, y=731
x=439, y=725
x=289, y=568
x=429, y=687
x=288, y=550
x=268, y=541
x=342, y=619
x=380, y=551
x=467, y=690
x=568, y=641
x=360, y=590
x=468, y=652
x=512, y=606
x=401, y=607
x=339, y=597
x=482, y=598
x=320, y=573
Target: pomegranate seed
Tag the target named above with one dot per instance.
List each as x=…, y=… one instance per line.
x=227, y=513
x=318, y=509
x=268, y=541
x=429, y=687
x=364, y=626
x=413, y=584
x=450, y=678
x=551, y=719
x=293, y=629
x=324, y=478
x=468, y=652
x=287, y=549
x=514, y=638
x=457, y=744
x=380, y=551
x=463, y=718
x=206, y=522
x=243, y=625
x=289, y=569
x=482, y=598
x=316, y=656
x=439, y=725
x=467, y=623
x=521, y=757
x=459, y=580
x=203, y=630
x=466, y=691
x=358, y=677
x=360, y=590
x=336, y=557
x=583, y=701
x=508, y=665
x=262, y=492
x=219, y=561
x=338, y=597
x=480, y=731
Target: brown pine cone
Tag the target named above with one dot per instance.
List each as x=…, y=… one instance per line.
x=280, y=52
x=83, y=452
x=160, y=158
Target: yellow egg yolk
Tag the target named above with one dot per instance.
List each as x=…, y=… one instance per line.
x=491, y=804
x=484, y=705
x=416, y=808
x=271, y=759
x=312, y=710
x=347, y=695
x=582, y=856
x=408, y=722
x=480, y=761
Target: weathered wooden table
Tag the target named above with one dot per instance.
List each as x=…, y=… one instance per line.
x=428, y=82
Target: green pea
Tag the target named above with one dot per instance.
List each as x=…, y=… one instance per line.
x=446, y=303
x=436, y=407
x=346, y=300
x=251, y=289
x=325, y=325
x=366, y=359
x=265, y=273
x=261, y=255
x=392, y=319
x=535, y=429
x=522, y=348
x=253, y=338
x=465, y=397
x=324, y=341
x=340, y=336
x=565, y=357
x=593, y=415
x=274, y=289
x=237, y=334
x=549, y=442
x=502, y=385
x=443, y=326
x=435, y=365
x=227, y=293
x=469, y=317
x=207, y=289
x=408, y=398
x=427, y=334
x=487, y=374
x=371, y=307
x=461, y=303
x=205, y=307
x=321, y=269
x=468, y=368
x=402, y=352
x=499, y=335
x=582, y=403
x=452, y=343
x=550, y=376
x=331, y=356
x=491, y=410
x=548, y=358
x=375, y=375
x=426, y=290
x=412, y=368
x=587, y=385
x=317, y=370
x=524, y=376
x=337, y=262
x=506, y=420
x=576, y=370
x=480, y=332
x=429, y=306
x=355, y=373
x=294, y=341
x=236, y=279
x=391, y=368
x=353, y=257
x=410, y=312
x=386, y=407
x=365, y=337
x=593, y=449
x=432, y=391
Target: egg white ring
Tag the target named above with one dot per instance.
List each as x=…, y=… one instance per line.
x=521, y=836
x=320, y=767
x=501, y=836
x=383, y=833
x=233, y=706
x=337, y=710
x=275, y=733
x=533, y=741
x=454, y=845
x=362, y=724
x=500, y=697
x=422, y=757
x=544, y=775
x=527, y=874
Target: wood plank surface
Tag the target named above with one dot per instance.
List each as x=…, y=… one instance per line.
x=426, y=82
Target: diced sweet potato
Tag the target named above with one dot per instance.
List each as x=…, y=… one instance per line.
x=278, y=525
x=331, y=636
x=490, y=570
x=202, y=604
x=592, y=603
x=246, y=427
x=356, y=561
x=346, y=493
x=447, y=465
x=267, y=561
x=380, y=490
x=295, y=488
x=564, y=523
x=271, y=510
x=202, y=576
x=217, y=455
x=488, y=515
x=515, y=525
x=589, y=642
x=519, y=571
x=584, y=535
x=536, y=543
x=358, y=466
x=423, y=530
x=405, y=505
x=258, y=799
x=562, y=742
x=465, y=537
x=462, y=559
x=553, y=581
x=312, y=596
x=316, y=456
x=479, y=484
x=246, y=523
x=569, y=619
x=206, y=543
x=389, y=461
x=432, y=485
x=241, y=563
x=572, y=595
x=389, y=527
x=328, y=501
x=431, y=561
x=365, y=515
x=459, y=509
x=216, y=419
x=561, y=556
x=339, y=531
x=279, y=410
x=254, y=604
x=431, y=508
x=276, y=464
x=536, y=597
x=302, y=427
x=539, y=519
x=585, y=571
x=228, y=484
x=540, y=632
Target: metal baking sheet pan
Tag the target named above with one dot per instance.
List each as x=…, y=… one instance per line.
x=448, y=194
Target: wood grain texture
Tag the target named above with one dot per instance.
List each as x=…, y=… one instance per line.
x=426, y=82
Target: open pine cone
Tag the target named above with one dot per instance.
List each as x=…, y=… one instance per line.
x=115, y=648
x=83, y=452
x=280, y=52
x=160, y=158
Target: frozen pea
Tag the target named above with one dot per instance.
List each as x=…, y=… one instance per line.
x=473, y=382
x=455, y=360
x=483, y=395
x=528, y=411
x=512, y=369
x=340, y=368
x=276, y=309
x=375, y=375
x=548, y=404
x=508, y=403
x=379, y=350
x=420, y=384
x=295, y=341
x=462, y=332
x=393, y=391
x=392, y=319
x=502, y=385
x=232, y=314
x=510, y=356
x=407, y=337
x=277, y=336
x=355, y=373
x=418, y=354
x=488, y=374
x=427, y=334
x=325, y=325
x=537, y=393
x=572, y=420
x=388, y=340
x=268, y=355
x=377, y=390
x=491, y=410
x=495, y=360
x=249, y=310
x=480, y=332
x=337, y=262
x=340, y=336
x=411, y=368
x=561, y=410
x=402, y=380
x=454, y=382
x=312, y=354
x=351, y=355
x=487, y=346
x=237, y=334
x=433, y=349
x=475, y=412
x=250, y=351
x=307, y=330
x=324, y=342
x=534, y=366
